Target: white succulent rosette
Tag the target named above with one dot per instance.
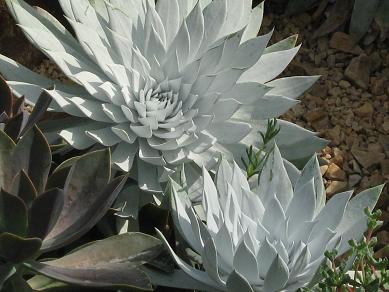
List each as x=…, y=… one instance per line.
x=271, y=237
x=163, y=84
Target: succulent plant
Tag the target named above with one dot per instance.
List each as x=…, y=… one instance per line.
x=268, y=237
x=41, y=213
x=163, y=84
x=15, y=119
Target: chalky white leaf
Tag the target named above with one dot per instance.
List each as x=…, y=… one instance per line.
x=271, y=236
x=162, y=84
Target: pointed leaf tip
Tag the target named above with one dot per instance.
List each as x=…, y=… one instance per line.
x=237, y=283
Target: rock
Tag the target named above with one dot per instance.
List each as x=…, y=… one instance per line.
x=376, y=61
x=366, y=110
x=321, y=124
x=375, y=147
x=382, y=253
x=344, y=84
x=331, y=61
x=336, y=187
x=353, y=180
x=319, y=90
x=355, y=166
x=322, y=44
x=335, y=91
x=338, y=158
x=313, y=101
x=385, y=126
x=343, y=42
x=378, y=86
x=358, y=71
x=385, y=215
x=335, y=135
x=385, y=168
x=370, y=37
x=367, y=159
x=384, y=141
x=298, y=110
x=383, y=237
x=334, y=172
x=323, y=169
x=315, y=115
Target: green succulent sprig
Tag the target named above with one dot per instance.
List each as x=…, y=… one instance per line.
x=257, y=158
x=359, y=270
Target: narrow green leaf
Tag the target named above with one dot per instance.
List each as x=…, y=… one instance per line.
x=17, y=249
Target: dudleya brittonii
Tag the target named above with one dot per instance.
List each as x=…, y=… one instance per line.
x=165, y=83
x=270, y=237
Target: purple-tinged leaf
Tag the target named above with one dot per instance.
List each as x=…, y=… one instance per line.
x=38, y=111
x=23, y=187
x=32, y=154
x=15, y=124
x=110, y=263
x=44, y=213
x=13, y=214
x=17, y=249
x=81, y=212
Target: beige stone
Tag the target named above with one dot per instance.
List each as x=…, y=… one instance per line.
x=366, y=110
x=336, y=187
x=343, y=42
x=353, y=180
x=385, y=168
x=344, y=84
x=334, y=172
x=358, y=71
x=366, y=158
x=323, y=169
x=315, y=115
